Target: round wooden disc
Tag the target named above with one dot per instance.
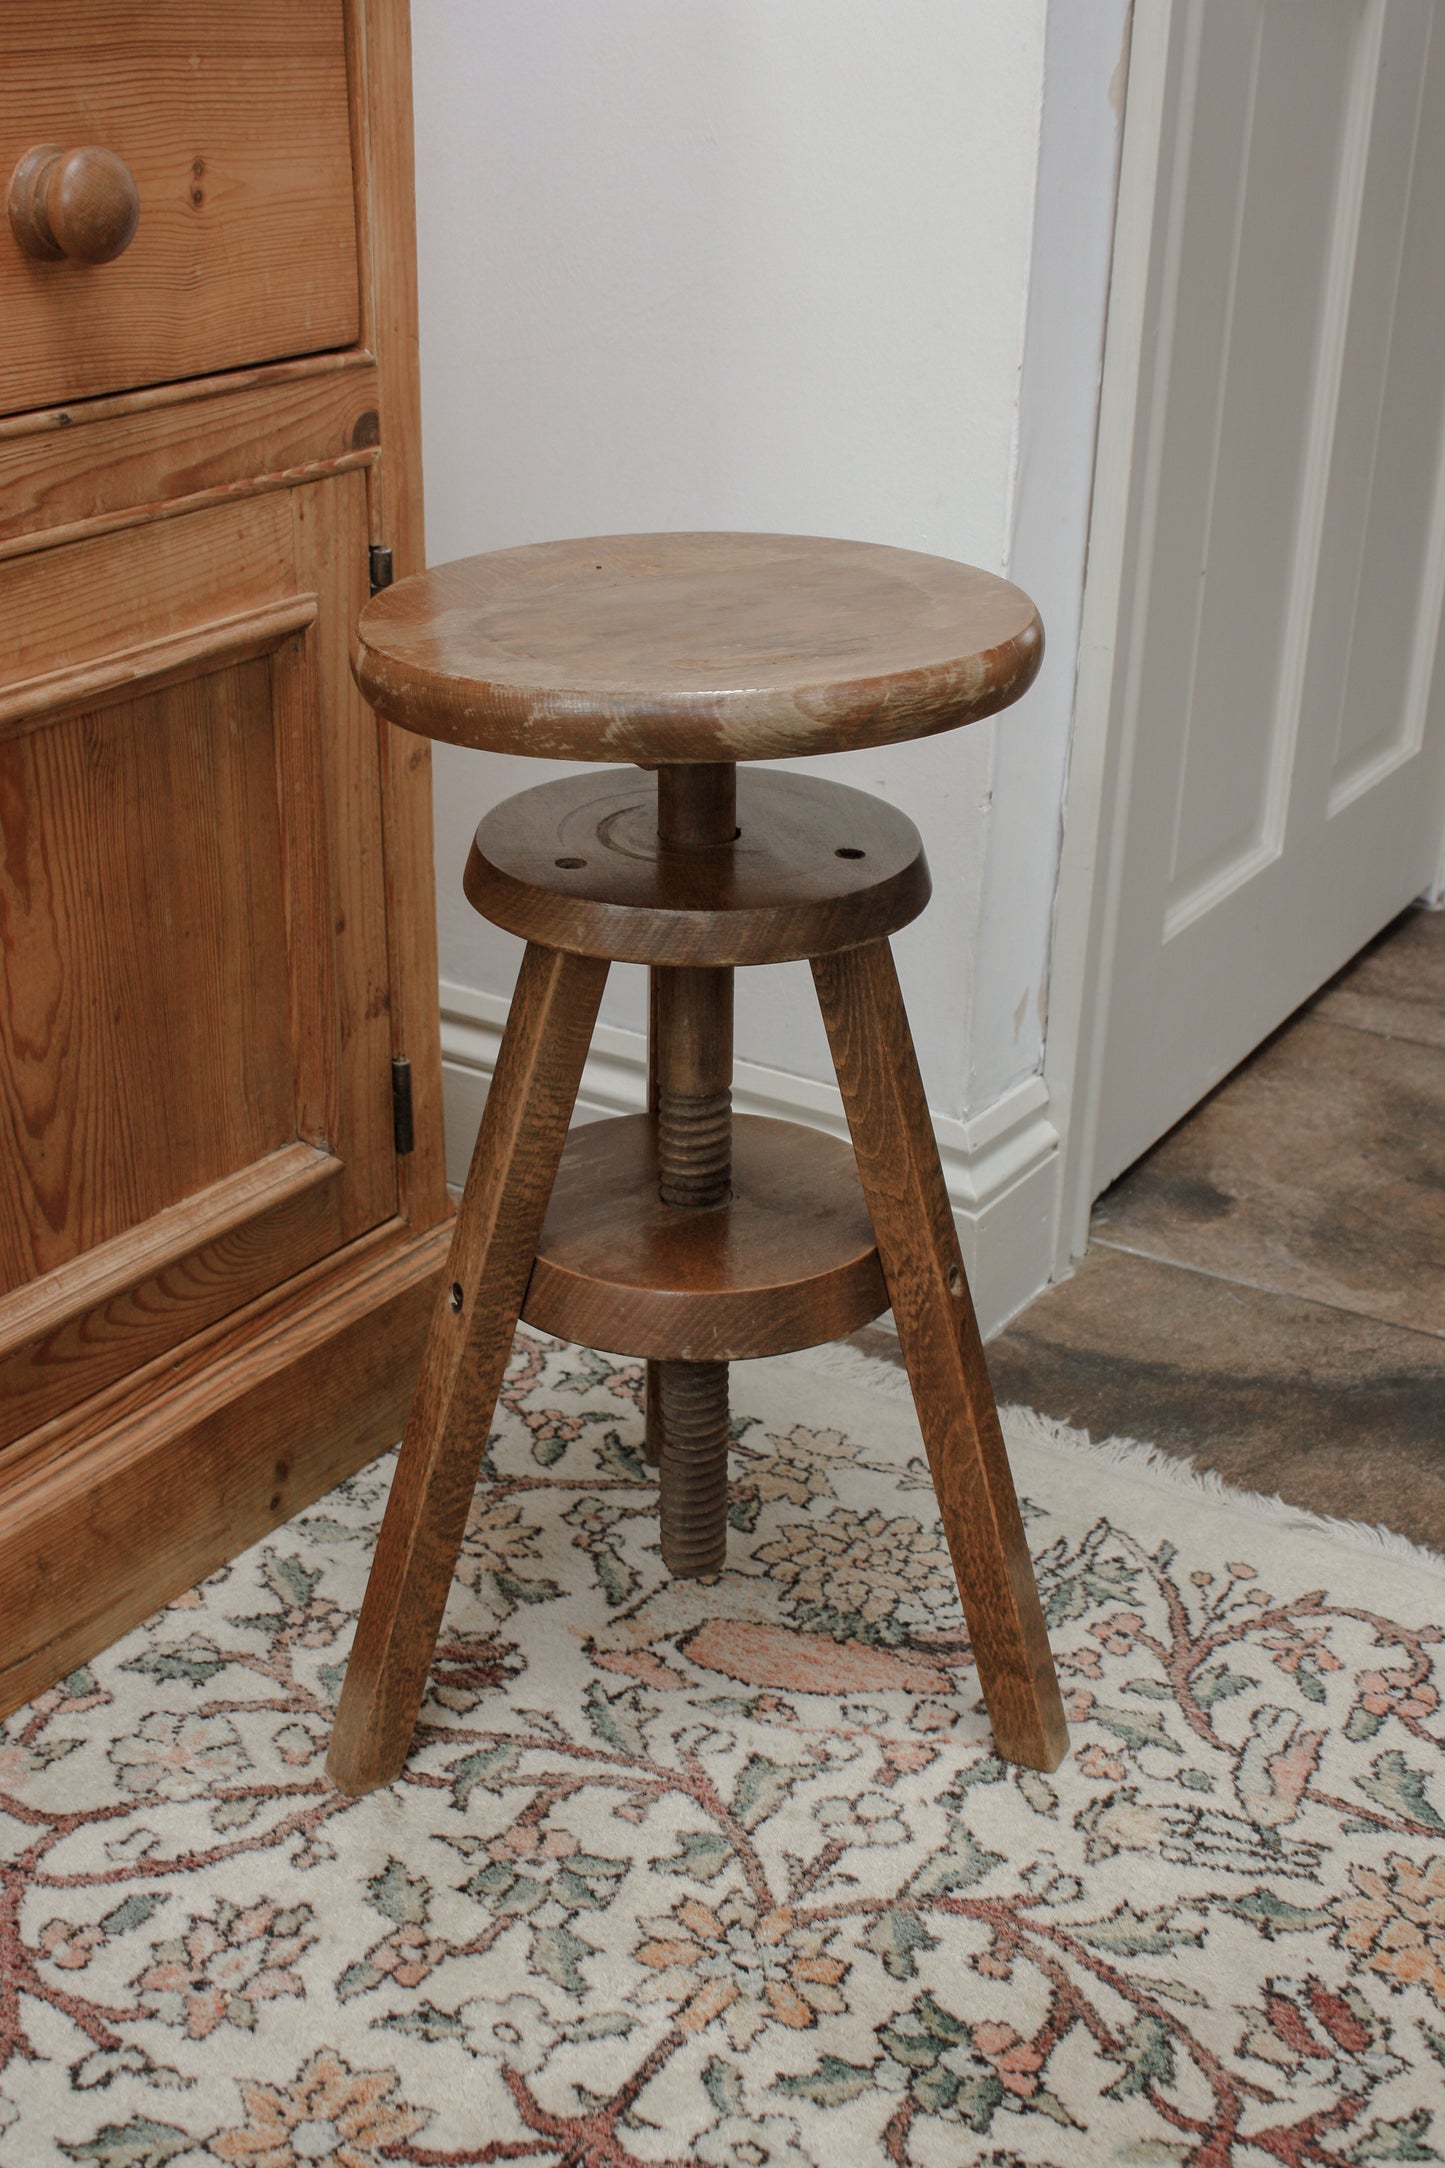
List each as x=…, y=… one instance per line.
x=787, y=1263
x=699, y=647
x=815, y=867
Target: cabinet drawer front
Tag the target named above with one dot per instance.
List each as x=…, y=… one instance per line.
x=232, y=118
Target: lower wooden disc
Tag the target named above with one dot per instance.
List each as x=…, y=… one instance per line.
x=788, y=1261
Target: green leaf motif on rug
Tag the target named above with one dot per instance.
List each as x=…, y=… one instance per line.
x=134, y=1912
x=616, y=1457
x=618, y=1719
x=762, y=1787
x=1218, y=1684
x=193, y=1660
x=556, y=1951
x=398, y=1895
x=832, y=2084
x=1274, y=1915
x=1400, y=2140
x=139, y=2144
x=425, y=2022
x=1395, y=1784
x=486, y=1768
x=895, y=1937
x=1148, y=2058
x=1136, y=1731
x=724, y=2085
x=703, y=1854
x=1127, y=1933
x=513, y=1589
x=962, y=1862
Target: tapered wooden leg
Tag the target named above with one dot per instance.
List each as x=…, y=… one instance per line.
x=652, y=1396
x=505, y=1201
x=918, y=1244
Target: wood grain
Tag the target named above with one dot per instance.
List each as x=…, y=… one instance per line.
x=695, y=647
x=125, y=1083
x=73, y=1331
x=692, y=1051
x=125, y=1086
x=518, y=1147
x=127, y=672
x=102, y=462
x=328, y=525
x=379, y=50
x=85, y=601
x=786, y=1261
x=233, y=121
x=209, y=844
x=133, y=1499
x=577, y=864
x=898, y=1163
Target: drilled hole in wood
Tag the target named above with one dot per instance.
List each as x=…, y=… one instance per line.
x=848, y=852
x=570, y=865
x=456, y=1295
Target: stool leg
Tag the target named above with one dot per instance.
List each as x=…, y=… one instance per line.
x=913, y=1226
x=505, y=1201
x=652, y=1397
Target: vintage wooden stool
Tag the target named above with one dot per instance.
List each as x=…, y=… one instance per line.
x=682, y=1235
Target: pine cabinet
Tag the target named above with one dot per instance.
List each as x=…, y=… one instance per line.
x=217, y=967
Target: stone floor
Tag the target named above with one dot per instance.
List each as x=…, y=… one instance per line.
x=1265, y=1289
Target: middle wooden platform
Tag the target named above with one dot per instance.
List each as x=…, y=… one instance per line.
x=786, y=1262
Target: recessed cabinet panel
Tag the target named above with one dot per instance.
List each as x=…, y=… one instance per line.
x=145, y=1047
x=194, y=1068
x=231, y=122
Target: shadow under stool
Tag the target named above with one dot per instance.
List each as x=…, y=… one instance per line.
x=687, y=1236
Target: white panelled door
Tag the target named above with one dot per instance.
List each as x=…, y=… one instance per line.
x=1282, y=711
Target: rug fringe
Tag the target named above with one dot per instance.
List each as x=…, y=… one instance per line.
x=875, y=1373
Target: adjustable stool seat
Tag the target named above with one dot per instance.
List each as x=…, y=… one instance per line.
x=685, y=1236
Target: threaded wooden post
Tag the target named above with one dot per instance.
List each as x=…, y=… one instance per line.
x=693, y=1059
x=694, y=1484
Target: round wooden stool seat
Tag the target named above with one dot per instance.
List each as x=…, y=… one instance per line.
x=814, y=867
x=695, y=647
x=788, y=1260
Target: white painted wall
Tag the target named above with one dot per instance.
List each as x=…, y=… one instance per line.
x=767, y=263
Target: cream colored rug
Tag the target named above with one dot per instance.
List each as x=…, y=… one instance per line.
x=732, y=1875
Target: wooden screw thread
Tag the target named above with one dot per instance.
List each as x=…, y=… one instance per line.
x=693, y=1055
x=694, y=1085
x=694, y=1478
x=696, y=810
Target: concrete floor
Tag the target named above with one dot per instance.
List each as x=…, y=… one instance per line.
x=1265, y=1290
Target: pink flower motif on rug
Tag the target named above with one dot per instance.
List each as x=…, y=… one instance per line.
x=731, y=1875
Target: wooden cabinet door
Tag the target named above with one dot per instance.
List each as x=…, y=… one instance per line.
x=194, y=1075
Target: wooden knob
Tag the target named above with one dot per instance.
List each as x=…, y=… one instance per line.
x=82, y=203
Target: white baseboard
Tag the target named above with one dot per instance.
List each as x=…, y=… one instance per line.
x=1001, y=1165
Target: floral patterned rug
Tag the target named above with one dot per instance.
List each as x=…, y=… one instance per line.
x=731, y=1874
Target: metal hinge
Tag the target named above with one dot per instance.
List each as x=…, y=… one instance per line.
x=402, y=1129
x=383, y=572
